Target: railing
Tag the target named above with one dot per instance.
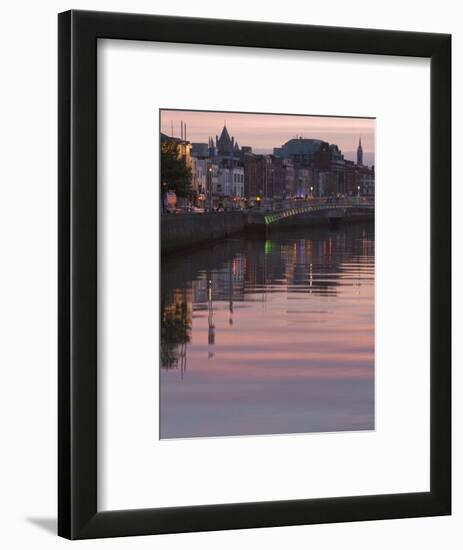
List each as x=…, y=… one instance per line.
x=326, y=201
x=271, y=216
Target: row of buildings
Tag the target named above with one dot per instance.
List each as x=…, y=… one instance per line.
x=225, y=174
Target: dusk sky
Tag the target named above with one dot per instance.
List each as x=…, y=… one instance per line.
x=264, y=132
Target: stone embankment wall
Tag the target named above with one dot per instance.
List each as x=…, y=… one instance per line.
x=184, y=230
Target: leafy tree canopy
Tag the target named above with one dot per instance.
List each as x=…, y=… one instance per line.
x=175, y=174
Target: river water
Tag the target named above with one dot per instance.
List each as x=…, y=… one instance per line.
x=269, y=336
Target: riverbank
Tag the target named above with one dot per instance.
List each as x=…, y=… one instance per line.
x=187, y=230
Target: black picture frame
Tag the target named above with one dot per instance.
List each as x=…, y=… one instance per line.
x=78, y=32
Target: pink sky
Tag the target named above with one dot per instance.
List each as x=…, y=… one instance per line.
x=264, y=132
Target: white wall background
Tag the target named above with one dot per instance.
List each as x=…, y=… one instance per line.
x=28, y=274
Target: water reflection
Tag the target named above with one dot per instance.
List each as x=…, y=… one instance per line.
x=272, y=335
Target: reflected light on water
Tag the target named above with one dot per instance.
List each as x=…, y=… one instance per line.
x=269, y=336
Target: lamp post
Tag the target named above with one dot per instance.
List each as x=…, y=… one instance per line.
x=311, y=191
x=209, y=187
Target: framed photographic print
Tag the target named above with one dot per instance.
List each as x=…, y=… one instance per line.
x=254, y=274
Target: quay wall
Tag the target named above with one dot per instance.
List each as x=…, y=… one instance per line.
x=184, y=230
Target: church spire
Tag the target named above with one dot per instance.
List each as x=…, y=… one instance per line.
x=225, y=143
x=360, y=153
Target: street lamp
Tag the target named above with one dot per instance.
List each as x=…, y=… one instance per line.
x=311, y=191
x=209, y=187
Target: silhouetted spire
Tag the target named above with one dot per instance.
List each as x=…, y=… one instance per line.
x=360, y=153
x=225, y=143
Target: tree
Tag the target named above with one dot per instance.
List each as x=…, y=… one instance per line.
x=175, y=333
x=175, y=174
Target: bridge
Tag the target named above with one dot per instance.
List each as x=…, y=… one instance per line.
x=330, y=209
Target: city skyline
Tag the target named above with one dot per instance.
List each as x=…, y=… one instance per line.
x=263, y=132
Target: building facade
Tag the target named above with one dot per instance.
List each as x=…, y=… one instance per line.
x=231, y=182
x=225, y=174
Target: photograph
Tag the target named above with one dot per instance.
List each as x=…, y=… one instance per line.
x=267, y=287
